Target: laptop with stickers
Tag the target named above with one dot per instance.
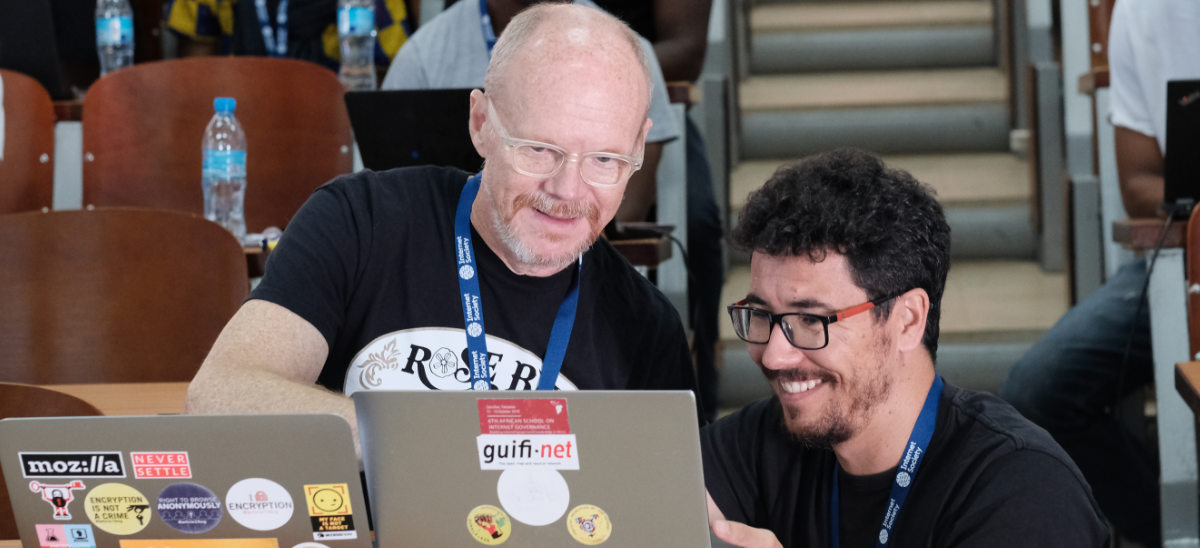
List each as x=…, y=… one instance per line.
x=229, y=481
x=533, y=469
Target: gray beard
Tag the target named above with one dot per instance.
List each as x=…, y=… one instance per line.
x=525, y=255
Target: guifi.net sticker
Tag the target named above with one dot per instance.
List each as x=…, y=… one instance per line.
x=489, y=525
x=117, y=509
x=589, y=524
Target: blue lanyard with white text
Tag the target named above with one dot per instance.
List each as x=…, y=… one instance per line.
x=489, y=34
x=918, y=444
x=275, y=48
x=472, y=304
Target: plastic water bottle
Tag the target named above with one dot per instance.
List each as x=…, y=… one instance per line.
x=356, y=34
x=224, y=174
x=114, y=34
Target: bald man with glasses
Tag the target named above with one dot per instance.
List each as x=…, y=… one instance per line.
x=863, y=444
x=437, y=279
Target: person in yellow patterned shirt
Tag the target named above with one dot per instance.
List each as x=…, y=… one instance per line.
x=308, y=28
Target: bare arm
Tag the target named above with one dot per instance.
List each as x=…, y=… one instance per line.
x=640, y=193
x=1140, y=172
x=682, y=29
x=266, y=360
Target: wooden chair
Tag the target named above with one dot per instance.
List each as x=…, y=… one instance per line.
x=116, y=295
x=143, y=127
x=24, y=400
x=27, y=168
x=1193, y=281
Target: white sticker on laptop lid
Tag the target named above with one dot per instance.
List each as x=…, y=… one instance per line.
x=533, y=497
x=259, y=504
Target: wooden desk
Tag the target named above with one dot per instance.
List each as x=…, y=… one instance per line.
x=146, y=398
x=1167, y=299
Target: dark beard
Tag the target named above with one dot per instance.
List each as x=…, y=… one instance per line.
x=837, y=433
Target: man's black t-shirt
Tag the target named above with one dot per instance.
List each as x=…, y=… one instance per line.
x=369, y=261
x=990, y=478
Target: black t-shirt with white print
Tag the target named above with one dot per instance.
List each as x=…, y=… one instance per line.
x=369, y=261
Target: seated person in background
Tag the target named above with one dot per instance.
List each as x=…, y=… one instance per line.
x=1099, y=352
x=369, y=288
x=863, y=442
x=678, y=29
x=452, y=51
x=239, y=27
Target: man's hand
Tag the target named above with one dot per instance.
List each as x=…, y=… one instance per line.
x=738, y=534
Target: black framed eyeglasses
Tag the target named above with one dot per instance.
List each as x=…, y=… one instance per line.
x=803, y=331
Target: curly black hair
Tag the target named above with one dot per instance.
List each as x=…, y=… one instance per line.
x=888, y=225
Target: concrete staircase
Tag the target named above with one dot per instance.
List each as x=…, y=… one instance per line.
x=918, y=82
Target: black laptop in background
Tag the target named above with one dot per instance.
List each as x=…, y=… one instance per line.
x=398, y=128
x=1181, y=165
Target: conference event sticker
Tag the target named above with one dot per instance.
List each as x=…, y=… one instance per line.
x=259, y=504
x=58, y=535
x=189, y=508
x=524, y=416
x=489, y=525
x=201, y=543
x=117, y=509
x=588, y=524
x=330, y=512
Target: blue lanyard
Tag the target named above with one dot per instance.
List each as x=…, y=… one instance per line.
x=472, y=304
x=274, y=49
x=918, y=444
x=489, y=34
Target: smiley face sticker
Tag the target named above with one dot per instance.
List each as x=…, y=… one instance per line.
x=329, y=510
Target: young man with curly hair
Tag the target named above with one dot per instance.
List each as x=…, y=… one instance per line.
x=863, y=443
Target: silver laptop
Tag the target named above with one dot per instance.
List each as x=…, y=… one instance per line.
x=533, y=469
x=236, y=481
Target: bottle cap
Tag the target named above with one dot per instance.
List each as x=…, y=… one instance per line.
x=225, y=104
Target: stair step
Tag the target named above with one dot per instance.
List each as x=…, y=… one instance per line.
x=986, y=197
x=798, y=17
x=872, y=49
x=960, y=180
x=907, y=130
x=875, y=89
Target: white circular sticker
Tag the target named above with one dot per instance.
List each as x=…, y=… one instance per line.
x=533, y=496
x=259, y=504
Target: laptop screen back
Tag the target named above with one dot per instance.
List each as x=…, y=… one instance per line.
x=1181, y=175
x=400, y=128
x=544, y=469
x=249, y=481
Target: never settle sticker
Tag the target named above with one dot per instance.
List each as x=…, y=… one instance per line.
x=164, y=464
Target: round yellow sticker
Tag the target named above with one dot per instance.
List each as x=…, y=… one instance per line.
x=589, y=524
x=489, y=525
x=117, y=508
